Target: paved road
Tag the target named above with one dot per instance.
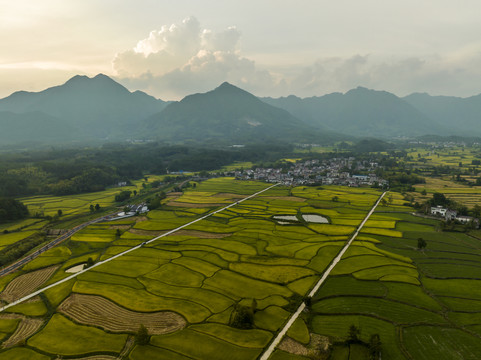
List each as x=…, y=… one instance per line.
x=301, y=308
x=51, y=244
x=129, y=250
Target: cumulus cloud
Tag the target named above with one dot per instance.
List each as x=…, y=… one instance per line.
x=184, y=58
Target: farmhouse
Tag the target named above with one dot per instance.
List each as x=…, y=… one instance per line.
x=438, y=210
x=448, y=214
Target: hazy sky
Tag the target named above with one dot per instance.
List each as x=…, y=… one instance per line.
x=304, y=47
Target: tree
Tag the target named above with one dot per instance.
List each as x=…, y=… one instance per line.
x=375, y=347
x=135, y=192
x=142, y=336
x=242, y=317
x=89, y=263
x=59, y=212
x=335, y=198
x=97, y=207
x=122, y=196
x=421, y=243
x=92, y=208
x=477, y=210
x=424, y=193
x=353, y=334
x=118, y=233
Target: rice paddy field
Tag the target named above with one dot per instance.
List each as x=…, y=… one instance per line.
x=79, y=203
x=463, y=194
x=264, y=254
x=457, y=158
x=184, y=287
x=424, y=304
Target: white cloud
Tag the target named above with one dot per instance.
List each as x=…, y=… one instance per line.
x=184, y=58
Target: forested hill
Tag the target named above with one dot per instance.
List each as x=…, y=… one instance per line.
x=361, y=112
x=96, y=107
x=74, y=171
x=229, y=114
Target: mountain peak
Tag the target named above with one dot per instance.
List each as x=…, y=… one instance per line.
x=228, y=87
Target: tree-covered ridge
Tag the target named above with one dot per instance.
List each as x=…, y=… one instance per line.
x=11, y=209
x=73, y=171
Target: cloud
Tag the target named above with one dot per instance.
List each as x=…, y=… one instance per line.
x=184, y=58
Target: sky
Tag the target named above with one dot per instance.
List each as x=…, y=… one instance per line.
x=170, y=49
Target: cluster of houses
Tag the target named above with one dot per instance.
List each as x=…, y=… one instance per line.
x=335, y=171
x=450, y=215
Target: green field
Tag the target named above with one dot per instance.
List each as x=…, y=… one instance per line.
x=245, y=258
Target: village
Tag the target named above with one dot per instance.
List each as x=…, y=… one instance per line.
x=336, y=171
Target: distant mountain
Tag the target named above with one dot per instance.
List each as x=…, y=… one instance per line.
x=462, y=116
x=33, y=127
x=98, y=107
x=230, y=114
x=360, y=112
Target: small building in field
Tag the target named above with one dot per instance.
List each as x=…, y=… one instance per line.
x=438, y=210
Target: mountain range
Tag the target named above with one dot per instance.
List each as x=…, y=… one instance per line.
x=361, y=112
x=99, y=108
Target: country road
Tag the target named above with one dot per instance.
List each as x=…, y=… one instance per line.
x=279, y=337
x=16, y=302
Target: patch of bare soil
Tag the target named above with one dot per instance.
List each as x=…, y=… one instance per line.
x=171, y=194
x=318, y=347
x=120, y=227
x=98, y=311
x=141, y=218
x=201, y=234
x=152, y=233
x=26, y=284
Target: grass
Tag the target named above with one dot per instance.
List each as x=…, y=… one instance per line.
x=63, y=337
x=238, y=286
x=177, y=275
x=273, y=273
x=211, y=300
x=36, y=308
x=379, y=308
x=299, y=331
x=253, y=338
x=143, y=301
x=271, y=318
x=187, y=343
x=21, y=353
x=337, y=326
x=429, y=342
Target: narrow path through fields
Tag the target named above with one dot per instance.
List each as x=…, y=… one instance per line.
x=301, y=308
x=131, y=249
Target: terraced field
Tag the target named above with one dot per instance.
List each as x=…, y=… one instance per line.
x=79, y=203
x=199, y=276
